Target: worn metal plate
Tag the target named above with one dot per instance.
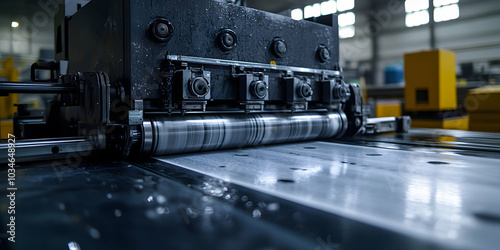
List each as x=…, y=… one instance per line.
x=437, y=196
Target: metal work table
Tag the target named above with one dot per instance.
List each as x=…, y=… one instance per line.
x=383, y=192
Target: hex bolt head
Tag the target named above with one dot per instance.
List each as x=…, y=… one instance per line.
x=258, y=89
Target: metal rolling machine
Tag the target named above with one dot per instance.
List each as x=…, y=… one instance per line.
x=189, y=124
x=158, y=80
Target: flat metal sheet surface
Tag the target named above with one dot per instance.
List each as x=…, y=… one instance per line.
x=435, y=195
x=116, y=205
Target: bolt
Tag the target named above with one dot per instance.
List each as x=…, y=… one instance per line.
x=259, y=89
x=199, y=87
x=323, y=53
x=339, y=92
x=226, y=40
x=305, y=90
x=162, y=29
x=279, y=47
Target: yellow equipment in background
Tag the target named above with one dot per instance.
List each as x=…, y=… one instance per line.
x=431, y=91
x=388, y=108
x=482, y=106
x=7, y=108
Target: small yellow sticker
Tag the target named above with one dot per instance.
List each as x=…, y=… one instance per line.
x=273, y=63
x=462, y=82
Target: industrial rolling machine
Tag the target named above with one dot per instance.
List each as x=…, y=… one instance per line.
x=162, y=77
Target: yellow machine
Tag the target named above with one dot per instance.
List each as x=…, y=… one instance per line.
x=482, y=105
x=7, y=108
x=431, y=92
x=388, y=108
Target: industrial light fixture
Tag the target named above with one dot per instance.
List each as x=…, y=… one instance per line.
x=14, y=24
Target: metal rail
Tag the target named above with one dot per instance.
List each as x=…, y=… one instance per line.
x=42, y=149
x=34, y=87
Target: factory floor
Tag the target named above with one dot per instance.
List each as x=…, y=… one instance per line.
x=428, y=189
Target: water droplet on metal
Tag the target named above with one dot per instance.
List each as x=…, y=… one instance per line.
x=94, y=233
x=73, y=246
x=151, y=214
x=244, y=198
x=62, y=206
x=138, y=187
x=262, y=204
x=256, y=213
x=162, y=210
x=273, y=207
x=248, y=204
x=150, y=198
x=161, y=199
x=109, y=196
x=209, y=210
x=118, y=213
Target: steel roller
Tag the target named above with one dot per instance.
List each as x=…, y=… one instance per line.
x=162, y=135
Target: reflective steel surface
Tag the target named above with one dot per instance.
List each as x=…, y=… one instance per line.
x=117, y=205
x=432, y=194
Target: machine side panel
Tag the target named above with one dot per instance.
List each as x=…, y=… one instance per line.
x=96, y=38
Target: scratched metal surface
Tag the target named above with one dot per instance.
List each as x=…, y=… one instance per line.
x=434, y=195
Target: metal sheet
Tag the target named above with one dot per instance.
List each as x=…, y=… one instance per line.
x=116, y=205
x=434, y=195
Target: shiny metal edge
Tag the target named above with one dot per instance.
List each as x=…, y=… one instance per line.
x=222, y=62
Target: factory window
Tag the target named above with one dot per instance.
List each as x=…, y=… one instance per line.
x=417, y=18
x=416, y=5
x=347, y=31
x=445, y=10
x=346, y=24
x=312, y=10
x=328, y=7
x=347, y=18
x=343, y=5
x=417, y=12
x=297, y=14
